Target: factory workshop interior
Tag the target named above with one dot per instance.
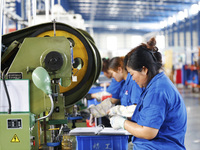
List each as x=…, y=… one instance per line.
x=58, y=84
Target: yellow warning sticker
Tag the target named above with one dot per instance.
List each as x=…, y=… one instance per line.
x=15, y=139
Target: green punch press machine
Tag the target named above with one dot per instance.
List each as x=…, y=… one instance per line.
x=45, y=69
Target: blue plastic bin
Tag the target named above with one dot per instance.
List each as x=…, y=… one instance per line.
x=92, y=101
x=102, y=142
x=94, y=90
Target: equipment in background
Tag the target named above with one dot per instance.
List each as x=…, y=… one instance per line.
x=71, y=60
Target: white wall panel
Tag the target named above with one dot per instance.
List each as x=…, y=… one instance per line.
x=176, y=39
x=188, y=40
x=123, y=45
x=181, y=39
x=195, y=39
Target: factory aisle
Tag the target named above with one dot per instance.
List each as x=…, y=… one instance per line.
x=192, y=102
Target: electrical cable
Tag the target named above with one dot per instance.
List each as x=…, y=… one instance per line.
x=57, y=137
x=51, y=111
x=6, y=90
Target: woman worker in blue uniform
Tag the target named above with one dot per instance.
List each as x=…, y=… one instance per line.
x=129, y=93
x=160, y=118
x=114, y=87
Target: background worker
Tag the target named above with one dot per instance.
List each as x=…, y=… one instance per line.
x=113, y=90
x=129, y=93
x=127, y=108
x=160, y=119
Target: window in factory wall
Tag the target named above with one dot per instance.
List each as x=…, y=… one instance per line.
x=136, y=40
x=111, y=43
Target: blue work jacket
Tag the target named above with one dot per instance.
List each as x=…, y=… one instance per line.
x=161, y=107
x=115, y=88
x=130, y=92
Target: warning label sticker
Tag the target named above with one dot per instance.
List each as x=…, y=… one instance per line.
x=15, y=139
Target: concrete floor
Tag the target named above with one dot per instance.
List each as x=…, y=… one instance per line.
x=192, y=102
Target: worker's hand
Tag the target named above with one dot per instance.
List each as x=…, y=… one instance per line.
x=88, y=96
x=117, y=122
x=125, y=111
x=101, y=109
x=100, y=96
x=85, y=113
x=95, y=111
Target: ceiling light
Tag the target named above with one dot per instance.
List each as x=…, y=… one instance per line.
x=137, y=10
x=174, y=19
x=170, y=20
x=138, y=2
x=180, y=15
x=185, y=13
x=194, y=9
x=112, y=26
x=163, y=24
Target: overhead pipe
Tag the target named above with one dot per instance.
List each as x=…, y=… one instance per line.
x=47, y=10
x=29, y=12
x=52, y=9
x=58, y=12
x=4, y=19
x=1, y=27
x=92, y=16
x=34, y=7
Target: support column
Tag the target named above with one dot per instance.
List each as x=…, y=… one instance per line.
x=178, y=32
x=164, y=33
x=172, y=34
x=1, y=28
x=169, y=36
x=198, y=26
x=191, y=39
x=184, y=31
x=47, y=10
x=18, y=12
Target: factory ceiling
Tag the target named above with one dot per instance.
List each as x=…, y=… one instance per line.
x=126, y=15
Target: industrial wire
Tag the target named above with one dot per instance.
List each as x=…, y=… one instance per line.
x=6, y=90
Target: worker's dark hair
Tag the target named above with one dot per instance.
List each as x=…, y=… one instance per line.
x=146, y=55
x=105, y=64
x=116, y=62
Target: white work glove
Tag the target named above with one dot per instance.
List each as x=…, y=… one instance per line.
x=100, y=95
x=125, y=111
x=117, y=122
x=101, y=109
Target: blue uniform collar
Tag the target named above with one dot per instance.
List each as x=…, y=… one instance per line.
x=128, y=78
x=154, y=79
